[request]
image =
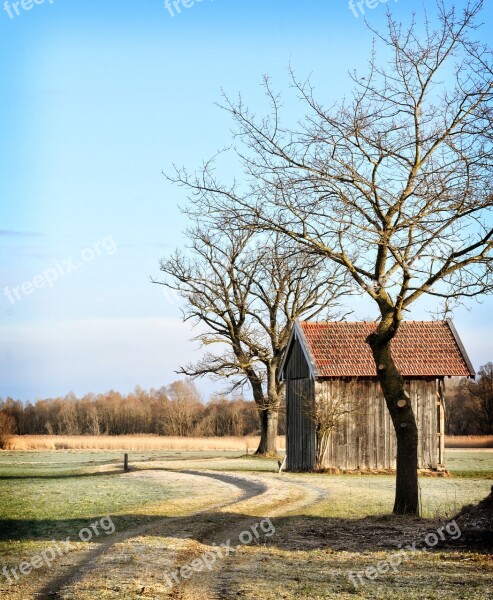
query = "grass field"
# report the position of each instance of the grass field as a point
(173, 506)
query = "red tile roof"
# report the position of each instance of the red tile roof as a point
(420, 349)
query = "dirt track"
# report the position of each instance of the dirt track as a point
(249, 499)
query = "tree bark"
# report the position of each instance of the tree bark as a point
(269, 414)
(269, 418)
(403, 419)
(268, 411)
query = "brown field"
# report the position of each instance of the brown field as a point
(134, 442)
(469, 441)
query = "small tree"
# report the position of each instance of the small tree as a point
(332, 406)
(457, 399)
(184, 409)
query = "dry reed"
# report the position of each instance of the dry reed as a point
(198, 444)
(135, 443)
(469, 441)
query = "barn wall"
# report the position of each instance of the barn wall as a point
(300, 429)
(365, 439)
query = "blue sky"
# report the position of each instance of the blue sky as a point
(97, 99)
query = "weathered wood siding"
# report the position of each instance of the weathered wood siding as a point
(366, 439)
(300, 430)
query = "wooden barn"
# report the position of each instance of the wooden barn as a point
(331, 362)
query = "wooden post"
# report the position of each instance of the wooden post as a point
(125, 462)
(441, 426)
(282, 463)
(442, 434)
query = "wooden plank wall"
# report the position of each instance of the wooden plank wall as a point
(366, 439)
(300, 429)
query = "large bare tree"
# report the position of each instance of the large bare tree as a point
(394, 185)
(245, 292)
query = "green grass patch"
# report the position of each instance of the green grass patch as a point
(476, 464)
(49, 495)
(52, 495)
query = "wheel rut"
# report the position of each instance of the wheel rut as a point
(275, 497)
(220, 582)
(55, 588)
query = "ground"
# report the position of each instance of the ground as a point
(218, 525)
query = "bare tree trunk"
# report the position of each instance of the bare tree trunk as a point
(269, 414)
(401, 412)
(269, 418)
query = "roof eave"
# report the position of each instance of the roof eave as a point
(458, 341)
(280, 373)
(312, 365)
(297, 333)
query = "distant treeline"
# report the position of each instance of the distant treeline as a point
(178, 410)
(175, 410)
(469, 404)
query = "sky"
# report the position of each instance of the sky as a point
(97, 100)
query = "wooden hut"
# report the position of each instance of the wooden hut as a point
(327, 361)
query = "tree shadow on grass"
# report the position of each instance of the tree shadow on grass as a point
(65, 475)
(291, 533)
(305, 533)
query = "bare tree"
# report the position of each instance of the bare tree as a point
(175, 409)
(7, 428)
(247, 292)
(457, 399)
(481, 394)
(183, 410)
(394, 185)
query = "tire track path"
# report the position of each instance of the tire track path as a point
(220, 582)
(56, 587)
(274, 496)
